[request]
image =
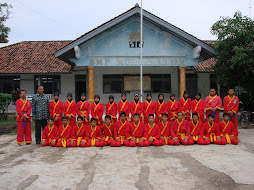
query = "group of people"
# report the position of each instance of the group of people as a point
(138, 124)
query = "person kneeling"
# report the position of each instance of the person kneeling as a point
(152, 132)
(93, 134)
(195, 127)
(108, 130)
(78, 133)
(64, 134)
(49, 134)
(165, 128)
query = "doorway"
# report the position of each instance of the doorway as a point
(80, 86)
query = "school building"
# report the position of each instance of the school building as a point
(106, 60)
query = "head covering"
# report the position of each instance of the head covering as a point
(172, 94)
(56, 93)
(160, 95)
(97, 96)
(185, 92)
(69, 94)
(198, 93)
(149, 94)
(82, 94)
(111, 96)
(136, 94)
(123, 93)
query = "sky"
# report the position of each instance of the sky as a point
(46, 20)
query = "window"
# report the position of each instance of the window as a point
(161, 83)
(9, 83)
(50, 83)
(113, 83)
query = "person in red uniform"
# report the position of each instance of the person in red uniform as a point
(198, 106)
(56, 110)
(136, 107)
(83, 108)
(97, 110)
(78, 133)
(121, 132)
(228, 131)
(180, 130)
(64, 134)
(231, 106)
(93, 134)
(195, 127)
(49, 134)
(69, 110)
(165, 129)
(173, 108)
(136, 131)
(210, 131)
(151, 132)
(148, 107)
(108, 131)
(23, 108)
(185, 105)
(213, 105)
(123, 106)
(160, 108)
(111, 109)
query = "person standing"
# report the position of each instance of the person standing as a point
(40, 112)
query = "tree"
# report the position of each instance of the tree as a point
(4, 15)
(235, 47)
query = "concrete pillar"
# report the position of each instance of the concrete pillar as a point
(90, 84)
(182, 79)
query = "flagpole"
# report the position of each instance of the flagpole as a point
(141, 53)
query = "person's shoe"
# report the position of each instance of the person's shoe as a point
(38, 142)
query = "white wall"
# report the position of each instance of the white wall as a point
(203, 84)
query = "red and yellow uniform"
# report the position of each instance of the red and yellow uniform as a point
(136, 107)
(63, 136)
(195, 133)
(165, 130)
(83, 108)
(198, 106)
(124, 106)
(185, 105)
(160, 108)
(151, 132)
(23, 107)
(137, 132)
(148, 108)
(56, 107)
(69, 108)
(108, 132)
(228, 131)
(111, 109)
(121, 133)
(97, 112)
(213, 102)
(49, 135)
(77, 134)
(232, 104)
(173, 109)
(211, 131)
(93, 136)
(179, 130)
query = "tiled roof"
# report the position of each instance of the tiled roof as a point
(33, 57)
(205, 66)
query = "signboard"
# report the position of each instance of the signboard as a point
(132, 83)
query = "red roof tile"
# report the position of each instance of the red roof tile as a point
(33, 57)
(205, 66)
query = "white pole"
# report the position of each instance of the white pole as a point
(141, 53)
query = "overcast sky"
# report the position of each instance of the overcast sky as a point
(38, 20)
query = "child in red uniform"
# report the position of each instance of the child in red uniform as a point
(136, 106)
(93, 134)
(64, 134)
(97, 110)
(23, 108)
(108, 131)
(83, 109)
(151, 132)
(49, 134)
(228, 131)
(121, 132)
(78, 133)
(124, 106)
(136, 131)
(198, 106)
(69, 110)
(111, 109)
(185, 105)
(160, 108)
(56, 110)
(195, 127)
(148, 107)
(210, 131)
(180, 130)
(165, 128)
(173, 108)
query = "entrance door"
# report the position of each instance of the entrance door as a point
(191, 84)
(80, 86)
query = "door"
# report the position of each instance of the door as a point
(80, 86)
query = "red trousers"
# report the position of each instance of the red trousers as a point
(134, 143)
(125, 143)
(200, 140)
(46, 143)
(24, 133)
(154, 143)
(206, 142)
(232, 140)
(235, 122)
(167, 141)
(60, 143)
(109, 142)
(88, 144)
(75, 144)
(179, 141)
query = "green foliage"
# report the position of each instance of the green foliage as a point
(235, 47)
(5, 100)
(247, 101)
(4, 15)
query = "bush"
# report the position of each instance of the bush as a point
(5, 100)
(247, 101)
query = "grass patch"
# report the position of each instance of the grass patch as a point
(7, 121)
